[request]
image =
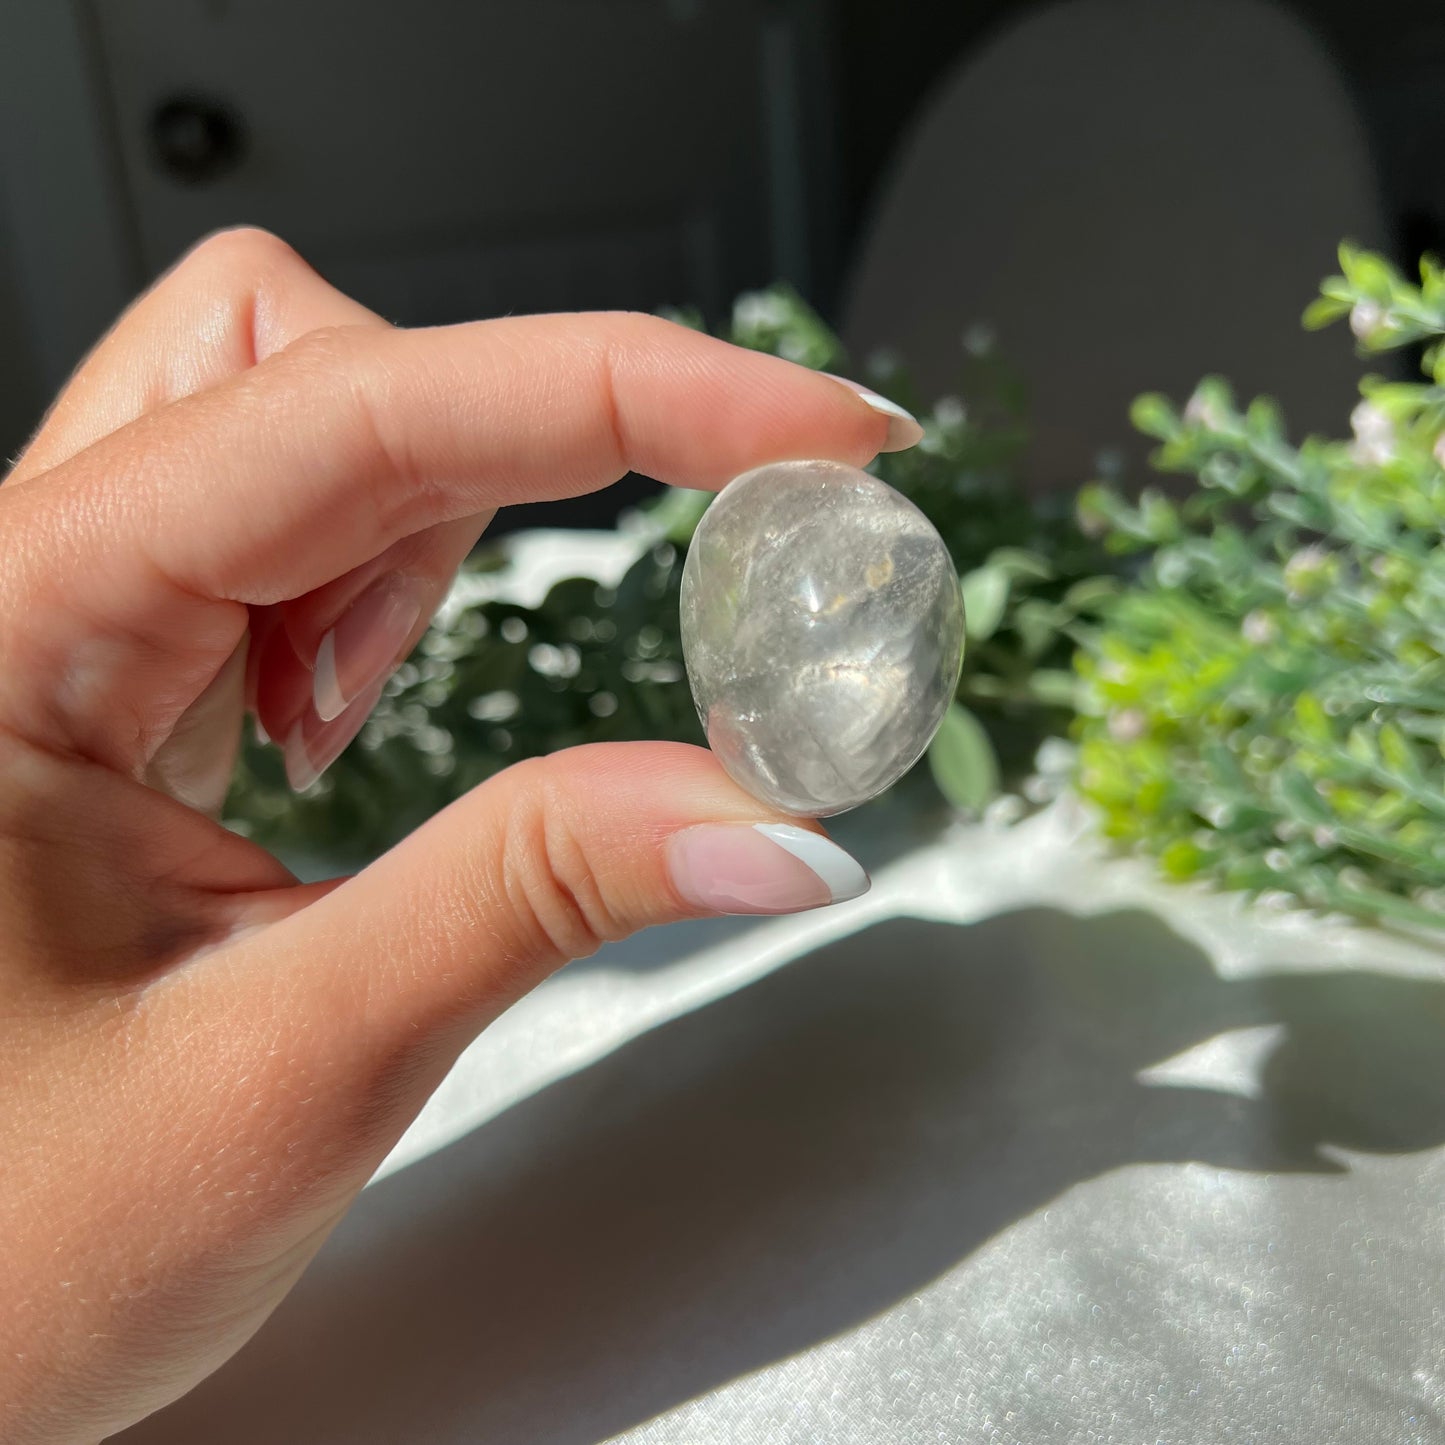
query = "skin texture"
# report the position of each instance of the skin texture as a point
(201, 1060)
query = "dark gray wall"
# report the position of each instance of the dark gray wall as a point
(884, 59)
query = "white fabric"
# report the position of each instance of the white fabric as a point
(995, 1153)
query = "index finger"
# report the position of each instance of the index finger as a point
(315, 461)
(323, 456)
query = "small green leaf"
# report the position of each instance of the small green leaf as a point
(1301, 801)
(1182, 859)
(1369, 273)
(1313, 721)
(1263, 420)
(1158, 517)
(1361, 746)
(985, 596)
(1054, 687)
(1020, 565)
(1324, 311)
(1153, 415)
(962, 760)
(1092, 592)
(1397, 752)
(1102, 512)
(1037, 624)
(677, 512)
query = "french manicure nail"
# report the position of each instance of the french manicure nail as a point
(366, 642)
(314, 743)
(765, 868)
(903, 428)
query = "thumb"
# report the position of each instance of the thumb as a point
(253, 1090)
(539, 865)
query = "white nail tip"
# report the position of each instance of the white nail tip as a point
(888, 408)
(325, 689)
(872, 398)
(300, 771)
(841, 874)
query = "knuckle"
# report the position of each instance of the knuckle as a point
(627, 332)
(362, 380)
(627, 319)
(242, 250)
(548, 877)
(337, 351)
(653, 330)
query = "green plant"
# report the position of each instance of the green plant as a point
(495, 682)
(1264, 707)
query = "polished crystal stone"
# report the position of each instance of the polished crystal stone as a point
(823, 630)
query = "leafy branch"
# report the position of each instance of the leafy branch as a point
(1264, 707)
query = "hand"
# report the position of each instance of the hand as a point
(254, 494)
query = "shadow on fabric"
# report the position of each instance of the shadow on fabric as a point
(790, 1161)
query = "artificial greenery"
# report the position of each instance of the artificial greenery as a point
(495, 682)
(1263, 707)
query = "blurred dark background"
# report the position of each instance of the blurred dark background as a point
(444, 160)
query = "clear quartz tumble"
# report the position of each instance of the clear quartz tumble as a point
(822, 626)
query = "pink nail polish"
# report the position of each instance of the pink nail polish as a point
(314, 743)
(367, 641)
(763, 868)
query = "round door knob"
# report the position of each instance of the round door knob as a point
(196, 140)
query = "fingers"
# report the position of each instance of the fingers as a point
(231, 301)
(280, 481)
(237, 298)
(333, 644)
(548, 860)
(262, 1082)
(404, 962)
(317, 460)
